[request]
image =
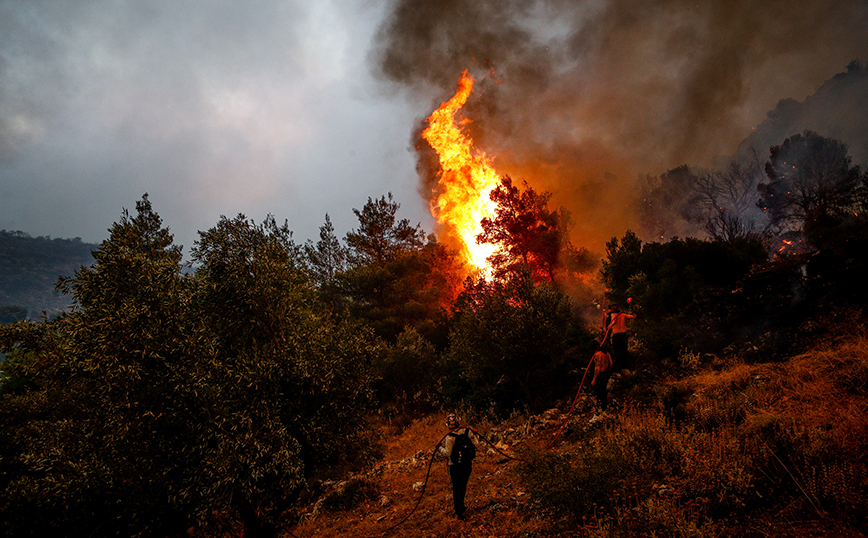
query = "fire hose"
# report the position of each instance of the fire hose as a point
(431, 462)
(551, 443)
(425, 483)
(576, 397)
(436, 446)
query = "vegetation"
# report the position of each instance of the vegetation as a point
(508, 346)
(737, 459)
(811, 179)
(279, 387)
(166, 401)
(530, 237)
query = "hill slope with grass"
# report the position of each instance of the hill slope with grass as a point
(701, 446)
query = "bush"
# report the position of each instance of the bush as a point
(568, 488)
(508, 346)
(686, 476)
(408, 374)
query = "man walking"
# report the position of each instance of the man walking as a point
(460, 449)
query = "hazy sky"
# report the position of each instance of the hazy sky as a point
(305, 107)
(211, 107)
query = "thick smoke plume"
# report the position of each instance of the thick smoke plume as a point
(580, 98)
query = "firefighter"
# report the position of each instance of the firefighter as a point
(617, 328)
(600, 381)
(459, 449)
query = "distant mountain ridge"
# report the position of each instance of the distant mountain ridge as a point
(31, 266)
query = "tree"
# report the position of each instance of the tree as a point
(810, 179)
(623, 261)
(395, 279)
(327, 257)
(668, 207)
(408, 374)
(291, 385)
(167, 401)
(507, 346)
(381, 237)
(680, 288)
(726, 197)
(525, 232)
(99, 441)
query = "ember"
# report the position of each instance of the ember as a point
(790, 243)
(466, 177)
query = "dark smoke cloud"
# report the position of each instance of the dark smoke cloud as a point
(580, 98)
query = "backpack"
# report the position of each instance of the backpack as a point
(463, 451)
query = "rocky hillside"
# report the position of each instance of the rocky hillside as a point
(718, 447)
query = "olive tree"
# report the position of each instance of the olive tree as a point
(166, 401)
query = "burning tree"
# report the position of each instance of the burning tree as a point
(526, 233)
(499, 226)
(811, 181)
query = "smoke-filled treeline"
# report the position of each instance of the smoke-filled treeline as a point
(583, 98)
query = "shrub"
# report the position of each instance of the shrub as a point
(508, 346)
(568, 488)
(805, 467)
(408, 374)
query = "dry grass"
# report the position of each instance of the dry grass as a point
(494, 498)
(712, 465)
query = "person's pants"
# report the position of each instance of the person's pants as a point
(600, 390)
(459, 474)
(619, 351)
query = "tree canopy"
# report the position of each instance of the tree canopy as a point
(165, 401)
(810, 178)
(528, 234)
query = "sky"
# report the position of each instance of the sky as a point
(299, 108)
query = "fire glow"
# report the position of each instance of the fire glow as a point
(466, 177)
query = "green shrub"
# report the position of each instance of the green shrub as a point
(567, 488)
(408, 374)
(508, 346)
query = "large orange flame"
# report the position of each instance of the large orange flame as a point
(466, 177)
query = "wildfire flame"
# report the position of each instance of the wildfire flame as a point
(466, 176)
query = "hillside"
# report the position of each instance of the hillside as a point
(30, 267)
(721, 448)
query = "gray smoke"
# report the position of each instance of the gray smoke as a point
(580, 98)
